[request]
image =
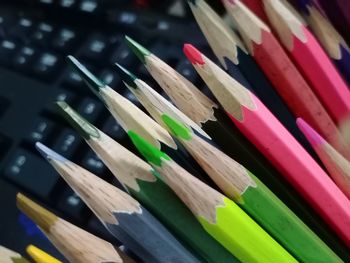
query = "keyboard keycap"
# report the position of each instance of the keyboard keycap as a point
(90, 109)
(42, 34)
(47, 65)
(5, 144)
(72, 206)
(32, 173)
(65, 40)
(60, 95)
(113, 129)
(123, 56)
(110, 78)
(95, 47)
(24, 58)
(22, 30)
(67, 143)
(7, 50)
(93, 163)
(41, 131)
(89, 6)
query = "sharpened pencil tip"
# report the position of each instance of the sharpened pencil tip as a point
(126, 76)
(193, 2)
(193, 55)
(151, 153)
(49, 154)
(40, 256)
(177, 128)
(138, 50)
(81, 125)
(39, 215)
(312, 136)
(90, 79)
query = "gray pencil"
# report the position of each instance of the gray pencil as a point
(122, 215)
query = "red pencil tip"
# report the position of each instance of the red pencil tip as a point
(313, 137)
(193, 55)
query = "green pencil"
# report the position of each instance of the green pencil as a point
(219, 216)
(143, 183)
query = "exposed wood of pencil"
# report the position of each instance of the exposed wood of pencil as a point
(254, 197)
(8, 256)
(233, 56)
(311, 60)
(77, 245)
(337, 166)
(129, 116)
(273, 140)
(144, 183)
(333, 43)
(222, 218)
(122, 215)
(281, 71)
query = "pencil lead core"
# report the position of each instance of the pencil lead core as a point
(193, 55)
(49, 154)
(151, 153)
(313, 137)
(42, 217)
(90, 79)
(126, 76)
(139, 50)
(81, 125)
(177, 128)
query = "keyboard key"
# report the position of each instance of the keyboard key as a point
(72, 206)
(67, 3)
(42, 33)
(113, 129)
(95, 47)
(90, 109)
(5, 144)
(22, 29)
(67, 143)
(24, 58)
(46, 65)
(186, 69)
(110, 78)
(60, 95)
(32, 173)
(89, 6)
(41, 131)
(93, 163)
(7, 50)
(65, 40)
(123, 56)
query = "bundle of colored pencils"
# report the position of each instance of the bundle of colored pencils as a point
(261, 176)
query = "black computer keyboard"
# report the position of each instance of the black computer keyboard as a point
(35, 38)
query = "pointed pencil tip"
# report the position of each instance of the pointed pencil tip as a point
(151, 153)
(39, 215)
(49, 154)
(193, 55)
(138, 50)
(312, 136)
(81, 125)
(126, 76)
(90, 79)
(40, 256)
(177, 128)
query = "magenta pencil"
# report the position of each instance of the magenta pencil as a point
(262, 128)
(311, 59)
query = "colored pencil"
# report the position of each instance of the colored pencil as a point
(142, 182)
(338, 13)
(337, 166)
(40, 256)
(219, 216)
(8, 256)
(234, 57)
(287, 80)
(311, 59)
(121, 214)
(273, 140)
(131, 118)
(230, 140)
(77, 245)
(333, 43)
(241, 186)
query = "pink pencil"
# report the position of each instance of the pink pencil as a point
(311, 59)
(337, 166)
(262, 128)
